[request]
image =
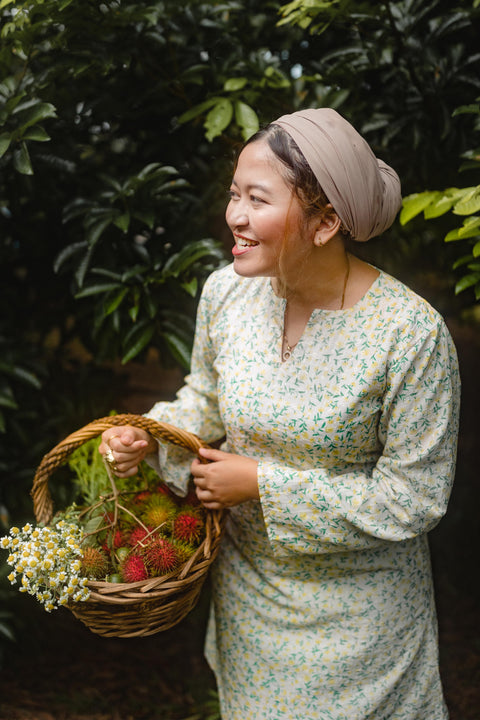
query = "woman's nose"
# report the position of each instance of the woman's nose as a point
(237, 213)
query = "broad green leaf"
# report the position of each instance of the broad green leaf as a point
(139, 345)
(188, 255)
(114, 303)
(461, 234)
(5, 140)
(123, 222)
(415, 204)
(198, 110)
(36, 133)
(246, 118)
(438, 207)
(476, 250)
(8, 402)
(180, 349)
(67, 253)
(97, 228)
(233, 84)
(218, 119)
(464, 260)
(21, 160)
(26, 376)
(470, 203)
(96, 289)
(466, 281)
(38, 111)
(190, 286)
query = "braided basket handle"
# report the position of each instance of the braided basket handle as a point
(42, 500)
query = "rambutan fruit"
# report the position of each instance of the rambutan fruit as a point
(157, 511)
(188, 526)
(184, 550)
(139, 535)
(94, 563)
(161, 556)
(134, 569)
(141, 496)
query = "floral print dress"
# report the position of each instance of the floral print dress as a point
(322, 599)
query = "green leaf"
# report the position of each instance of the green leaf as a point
(190, 286)
(26, 376)
(5, 140)
(8, 402)
(246, 118)
(476, 250)
(114, 303)
(37, 111)
(415, 204)
(464, 260)
(21, 160)
(5, 630)
(179, 348)
(188, 255)
(97, 228)
(67, 253)
(469, 229)
(197, 110)
(470, 202)
(218, 119)
(36, 133)
(233, 84)
(139, 345)
(123, 222)
(438, 207)
(466, 281)
(96, 289)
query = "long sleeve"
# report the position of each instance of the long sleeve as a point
(406, 491)
(196, 405)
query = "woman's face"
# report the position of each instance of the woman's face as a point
(263, 214)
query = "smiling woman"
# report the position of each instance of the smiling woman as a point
(337, 390)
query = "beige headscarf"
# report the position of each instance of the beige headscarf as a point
(364, 191)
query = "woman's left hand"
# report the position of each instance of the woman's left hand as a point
(226, 480)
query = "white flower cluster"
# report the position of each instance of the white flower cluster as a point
(49, 562)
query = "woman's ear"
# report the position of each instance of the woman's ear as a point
(327, 227)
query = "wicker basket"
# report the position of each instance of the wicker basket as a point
(148, 606)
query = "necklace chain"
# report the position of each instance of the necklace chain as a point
(287, 352)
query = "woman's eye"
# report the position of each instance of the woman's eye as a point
(255, 199)
(232, 194)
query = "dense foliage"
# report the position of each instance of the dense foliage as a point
(119, 121)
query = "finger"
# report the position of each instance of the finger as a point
(212, 454)
(197, 468)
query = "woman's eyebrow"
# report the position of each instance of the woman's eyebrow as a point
(254, 186)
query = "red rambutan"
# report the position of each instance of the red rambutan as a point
(134, 569)
(160, 556)
(138, 535)
(188, 526)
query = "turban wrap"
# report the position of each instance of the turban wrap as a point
(363, 190)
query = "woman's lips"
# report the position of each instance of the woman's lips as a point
(243, 245)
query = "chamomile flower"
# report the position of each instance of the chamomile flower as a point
(46, 562)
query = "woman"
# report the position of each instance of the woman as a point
(337, 389)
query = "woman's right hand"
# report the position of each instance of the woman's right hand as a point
(124, 447)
